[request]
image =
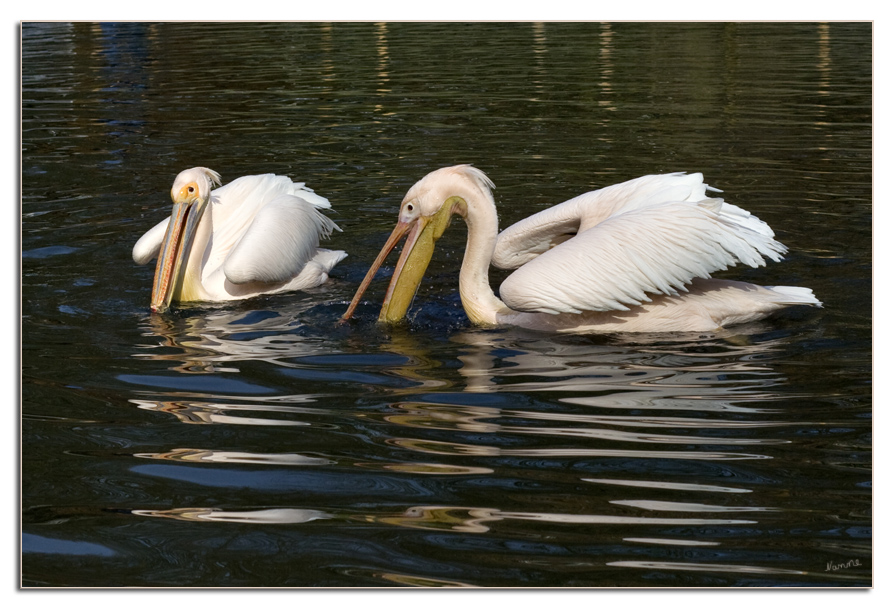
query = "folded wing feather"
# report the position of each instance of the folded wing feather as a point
(657, 249)
(282, 238)
(528, 238)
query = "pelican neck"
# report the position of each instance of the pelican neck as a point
(478, 298)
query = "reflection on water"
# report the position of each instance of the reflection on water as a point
(214, 412)
(297, 452)
(270, 516)
(220, 456)
(671, 439)
(479, 520)
(660, 443)
(202, 343)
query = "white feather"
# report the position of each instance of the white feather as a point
(146, 248)
(652, 235)
(261, 235)
(528, 238)
(281, 240)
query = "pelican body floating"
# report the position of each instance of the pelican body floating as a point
(258, 234)
(633, 257)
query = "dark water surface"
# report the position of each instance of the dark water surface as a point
(257, 444)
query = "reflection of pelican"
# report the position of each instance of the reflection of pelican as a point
(634, 257)
(696, 374)
(262, 516)
(217, 340)
(259, 235)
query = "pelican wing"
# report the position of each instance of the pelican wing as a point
(148, 246)
(237, 207)
(528, 238)
(263, 187)
(281, 239)
(656, 249)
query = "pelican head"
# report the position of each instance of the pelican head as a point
(190, 193)
(425, 214)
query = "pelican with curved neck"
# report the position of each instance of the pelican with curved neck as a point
(642, 267)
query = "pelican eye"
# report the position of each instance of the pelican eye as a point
(409, 207)
(191, 189)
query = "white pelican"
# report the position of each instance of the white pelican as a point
(256, 235)
(633, 257)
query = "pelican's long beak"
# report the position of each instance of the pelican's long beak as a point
(411, 266)
(175, 250)
(409, 270)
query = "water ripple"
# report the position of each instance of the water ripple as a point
(481, 520)
(671, 542)
(456, 448)
(707, 567)
(676, 506)
(679, 486)
(265, 516)
(222, 456)
(204, 413)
